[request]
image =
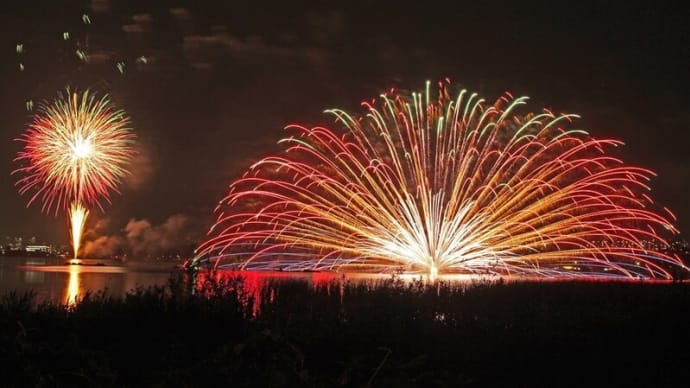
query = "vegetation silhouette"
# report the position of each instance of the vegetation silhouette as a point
(392, 333)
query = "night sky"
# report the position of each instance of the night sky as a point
(222, 79)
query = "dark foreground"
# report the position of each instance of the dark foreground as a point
(524, 334)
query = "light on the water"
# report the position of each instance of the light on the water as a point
(73, 284)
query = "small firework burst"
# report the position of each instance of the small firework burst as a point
(75, 153)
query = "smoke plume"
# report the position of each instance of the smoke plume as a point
(140, 239)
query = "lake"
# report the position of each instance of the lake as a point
(53, 281)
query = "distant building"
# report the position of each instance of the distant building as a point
(15, 244)
(38, 249)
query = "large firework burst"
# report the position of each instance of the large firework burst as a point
(75, 153)
(425, 183)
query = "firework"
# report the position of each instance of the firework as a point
(436, 184)
(75, 153)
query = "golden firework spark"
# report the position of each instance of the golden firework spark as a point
(436, 184)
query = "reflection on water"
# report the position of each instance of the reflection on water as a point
(255, 286)
(53, 281)
(72, 286)
(35, 277)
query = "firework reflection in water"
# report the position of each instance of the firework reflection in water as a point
(254, 289)
(72, 292)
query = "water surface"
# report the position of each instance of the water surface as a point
(54, 281)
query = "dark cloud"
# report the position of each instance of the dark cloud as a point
(100, 6)
(132, 28)
(326, 27)
(141, 23)
(142, 18)
(204, 51)
(99, 57)
(180, 13)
